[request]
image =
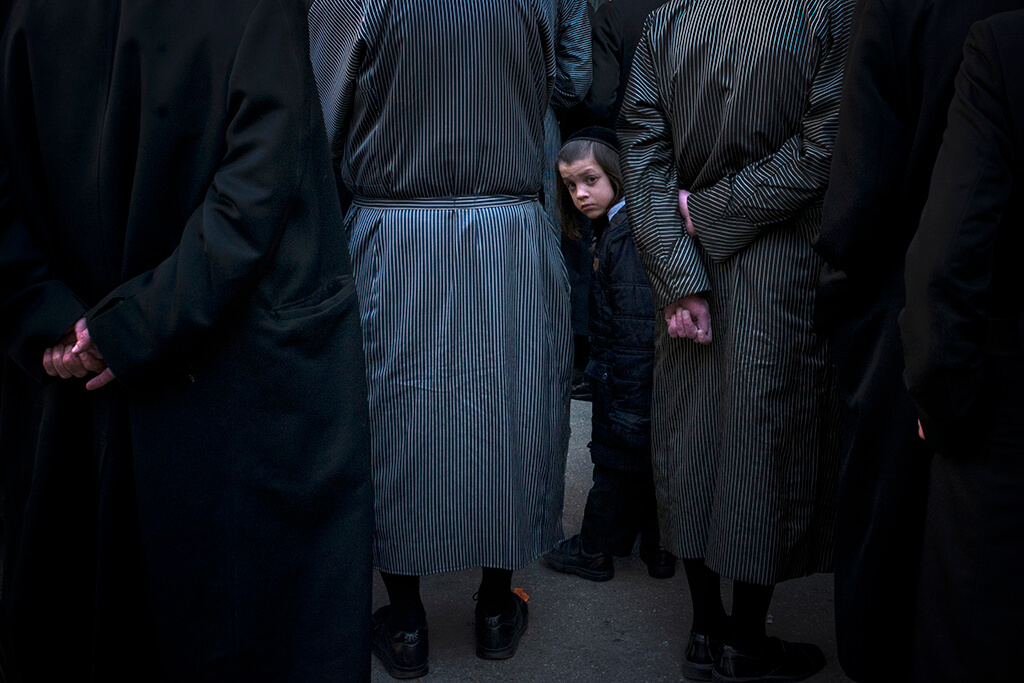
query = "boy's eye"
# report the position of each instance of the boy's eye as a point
(590, 179)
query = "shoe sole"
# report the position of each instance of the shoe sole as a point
(588, 574)
(663, 574)
(399, 672)
(718, 678)
(505, 652)
(696, 672)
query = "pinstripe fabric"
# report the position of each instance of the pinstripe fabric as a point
(573, 72)
(738, 102)
(463, 293)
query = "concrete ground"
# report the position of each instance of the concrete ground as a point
(632, 628)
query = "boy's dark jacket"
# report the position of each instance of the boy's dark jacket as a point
(621, 367)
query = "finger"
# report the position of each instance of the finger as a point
(690, 230)
(84, 340)
(57, 357)
(920, 429)
(73, 363)
(91, 362)
(673, 329)
(100, 380)
(48, 362)
(703, 316)
(689, 329)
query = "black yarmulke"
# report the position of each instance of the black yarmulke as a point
(597, 134)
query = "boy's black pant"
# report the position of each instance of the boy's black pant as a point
(620, 504)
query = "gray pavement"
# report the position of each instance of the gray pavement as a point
(632, 628)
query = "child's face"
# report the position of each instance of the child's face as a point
(589, 187)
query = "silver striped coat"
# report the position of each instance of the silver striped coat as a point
(436, 115)
(737, 101)
(573, 71)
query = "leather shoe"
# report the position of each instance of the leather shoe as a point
(661, 564)
(403, 654)
(699, 658)
(777, 660)
(497, 636)
(569, 557)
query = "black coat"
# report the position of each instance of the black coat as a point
(621, 364)
(617, 30)
(899, 81)
(962, 333)
(208, 516)
(965, 284)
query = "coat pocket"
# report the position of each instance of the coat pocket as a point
(324, 299)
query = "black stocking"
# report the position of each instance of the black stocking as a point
(495, 596)
(709, 618)
(407, 613)
(750, 603)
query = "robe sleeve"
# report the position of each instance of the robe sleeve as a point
(951, 258)
(228, 242)
(670, 256)
(730, 214)
(572, 54)
(337, 47)
(36, 307)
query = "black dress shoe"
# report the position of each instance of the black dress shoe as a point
(661, 564)
(777, 660)
(582, 391)
(699, 658)
(403, 654)
(497, 636)
(569, 557)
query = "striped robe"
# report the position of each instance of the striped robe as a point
(435, 112)
(573, 70)
(737, 101)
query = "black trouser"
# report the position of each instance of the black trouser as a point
(970, 624)
(620, 504)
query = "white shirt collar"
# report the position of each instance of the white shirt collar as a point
(615, 209)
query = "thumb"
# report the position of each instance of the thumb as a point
(83, 340)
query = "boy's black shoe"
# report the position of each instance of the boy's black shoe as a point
(699, 658)
(497, 636)
(403, 654)
(661, 564)
(569, 557)
(580, 386)
(777, 660)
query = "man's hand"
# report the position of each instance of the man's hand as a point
(920, 429)
(684, 210)
(689, 318)
(60, 361)
(75, 355)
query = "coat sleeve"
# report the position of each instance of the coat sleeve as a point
(730, 214)
(572, 54)
(36, 307)
(230, 239)
(337, 47)
(670, 256)
(950, 260)
(607, 61)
